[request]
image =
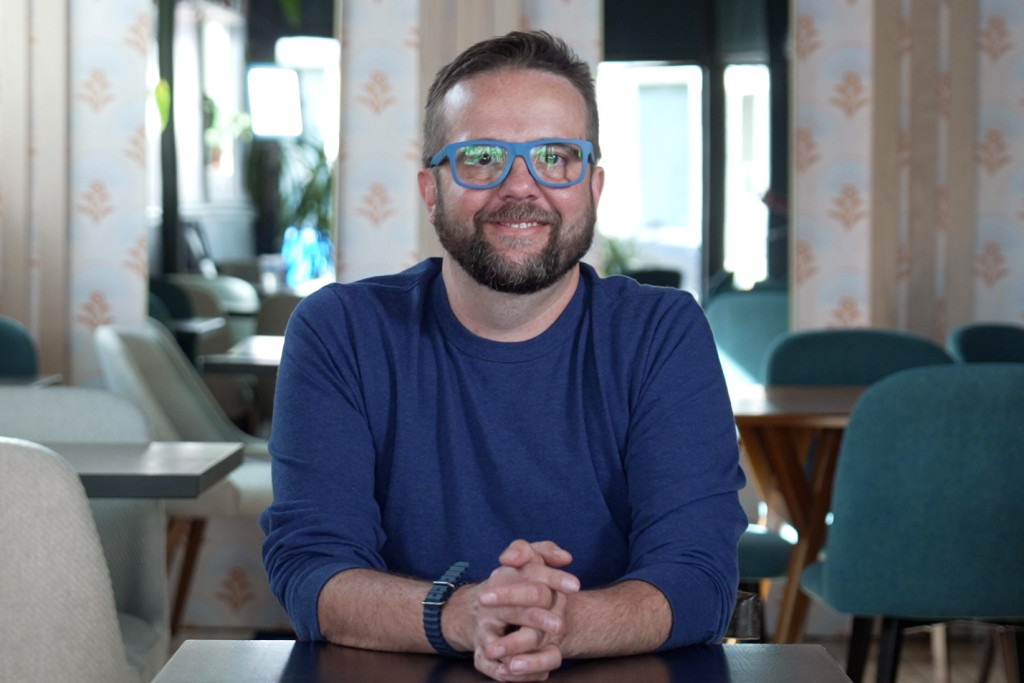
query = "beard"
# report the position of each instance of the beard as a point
(566, 246)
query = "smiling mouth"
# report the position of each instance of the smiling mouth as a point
(523, 226)
(523, 217)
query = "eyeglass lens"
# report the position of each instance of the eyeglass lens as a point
(556, 163)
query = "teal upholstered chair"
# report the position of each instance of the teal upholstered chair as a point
(763, 554)
(744, 324)
(987, 343)
(848, 356)
(927, 485)
(18, 357)
(661, 277)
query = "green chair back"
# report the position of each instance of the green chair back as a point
(18, 356)
(745, 323)
(927, 497)
(662, 277)
(987, 343)
(847, 357)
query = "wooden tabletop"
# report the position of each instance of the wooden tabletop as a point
(817, 406)
(161, 469)
(258, 354)
(278, 661)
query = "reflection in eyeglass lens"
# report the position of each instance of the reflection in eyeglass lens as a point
(553, 162)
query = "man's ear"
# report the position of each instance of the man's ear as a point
(428, 190)
(596, 183)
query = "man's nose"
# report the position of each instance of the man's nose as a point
(519, 182)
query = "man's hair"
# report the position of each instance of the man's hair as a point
(518, 50)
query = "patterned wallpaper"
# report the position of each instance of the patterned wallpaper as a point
(379, 153)
(831, 47)
(998, 259)
(105, 265)
(107, 188)
(834, 73)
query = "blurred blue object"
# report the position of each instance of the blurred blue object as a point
(306, 253)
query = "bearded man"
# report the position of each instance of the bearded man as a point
(498, 453)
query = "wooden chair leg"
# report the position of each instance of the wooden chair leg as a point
(940, 653)
(177, 532)
(988, 654)
(860, 642)
(1012, 640)
(889, 646)
(197, 526)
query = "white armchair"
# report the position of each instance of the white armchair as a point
(132, 532)
(58, 620)
(146, 366)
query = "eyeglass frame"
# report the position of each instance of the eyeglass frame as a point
(516, 150)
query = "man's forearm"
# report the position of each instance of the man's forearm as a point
(627, 618)
(373, 610)
(379, 611)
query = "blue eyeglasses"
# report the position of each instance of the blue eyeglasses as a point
(481, 164)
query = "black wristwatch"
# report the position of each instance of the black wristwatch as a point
(432, 604)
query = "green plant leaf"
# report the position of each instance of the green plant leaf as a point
(292, 11)
(162, 96)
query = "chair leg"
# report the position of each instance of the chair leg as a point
(197, 526)
(988, 653)
(860, 643)
(1012, 640)
(940, 653)
(889, 646)
(177, 533)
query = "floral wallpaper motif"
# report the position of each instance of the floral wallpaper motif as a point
(848, 208)
(993, 152)
(850, 94)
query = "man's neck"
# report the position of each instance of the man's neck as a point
(503, 317)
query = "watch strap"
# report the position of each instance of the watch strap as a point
(437, 596)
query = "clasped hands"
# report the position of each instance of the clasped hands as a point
(520, 612)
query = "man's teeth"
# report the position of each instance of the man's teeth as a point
(520, 226)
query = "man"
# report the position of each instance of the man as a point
(570, 437)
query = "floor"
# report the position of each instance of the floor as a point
(965, 651)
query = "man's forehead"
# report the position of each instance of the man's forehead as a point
(494, 83)
(494, 93)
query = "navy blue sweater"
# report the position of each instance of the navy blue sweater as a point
(403, 442)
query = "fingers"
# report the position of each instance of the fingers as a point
(520, 553)
(541, 630)
(534, 666)
(528, 586)
(520, 617)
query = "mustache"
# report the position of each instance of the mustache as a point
(518, 212)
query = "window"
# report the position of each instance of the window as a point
(747, 172)
(651, 145)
